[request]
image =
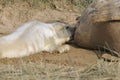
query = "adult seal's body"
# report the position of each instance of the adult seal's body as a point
(99, 26)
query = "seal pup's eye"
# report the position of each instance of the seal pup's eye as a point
(67, 27)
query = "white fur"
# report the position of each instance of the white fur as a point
(34, 37)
